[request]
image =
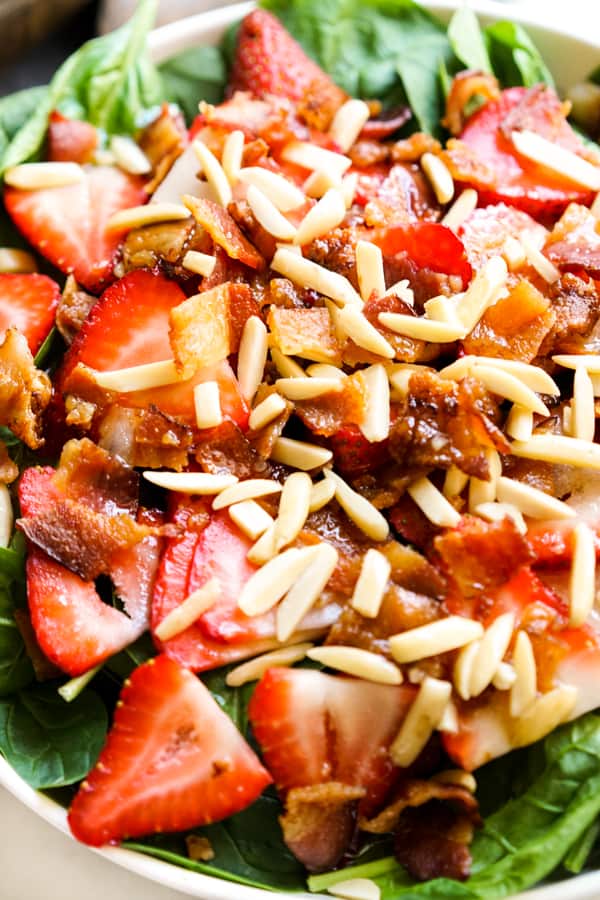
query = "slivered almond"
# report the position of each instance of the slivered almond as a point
(589, 361)
(6, 516)
(300, 454)
(307, 388)
(200, 263)
(502, 383)
(265, 588)
(514, 254)
(310, 156)
(13, 261)
(214, 173)
(443, 309)
(349, 185)
(556, 448)
(440, 636)
(532, 502)
(422, 329)
(41, 175)
(461, 209)
(433, 503)
(246, 490)
(481, 491)
(311, 275)
(358, 508)
(582, 580)
(372, 582)
(463, 669)
(267, 215)
(283, 193)
(318, 183)
(201, 483)
(252, 356)
(458, 777)
(482, 292)
(421, 721)
(455, 482)
(306, 590)
(254, 669)
(544, 715)
(505, 677)
(129, 156)
(325, 370)
(150, 214)
(531, 376)
(231, 158)
(375, 425)
(355, 889)
(250, 518)
(321, 494)
(266, 411)
(449, 721)
(438, 176)
(323, 217)
(356, 326)
(536, 258)
(492, 648)
(264, 548)
(137, 378)
(369, 269)
(293, 508)
(519, 424)
(361, 663)
(560, 161)
(524, 690)
(285, 365)
(207, 403)
(348, 123)
(583, 413)
(187, 612)
(495, 512)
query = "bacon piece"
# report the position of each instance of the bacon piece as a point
(412, 148)
(404, 196)
(576, 304)
(478, 555)
(164, 245)
(8, 469)
(432, 842)
(226, 450)
(73, 309)
(407, 350)
(258, 236)
(163, 141)
(325, 415)
(466, 86)
(466, 165)
(442, 423)
(574, 243)
(24, 390)
(224, 231)
(199, 330)
(89, 474)
(412, 523)
(319, 104)
(365, 153)
(415, 792)
(319, 822)
(307, 333)
(145, 438)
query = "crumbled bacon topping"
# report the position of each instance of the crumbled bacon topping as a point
(24, 390)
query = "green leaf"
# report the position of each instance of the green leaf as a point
(109, 81)
(578, 855)
(419, 69)
(194, 75)
(466, 40)
(52, 348)
(51, 743)
(515, 58)
(233, 701)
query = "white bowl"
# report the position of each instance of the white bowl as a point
(570, 58)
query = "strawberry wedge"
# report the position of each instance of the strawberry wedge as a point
(29, 303)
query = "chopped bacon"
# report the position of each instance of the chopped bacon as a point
(319, 822)
(478, 555)
(307, 333)
(90, 474)
(163, 141)
(73, 309)
(258, 236)
(442, 423)
(465, 87)
(383, 124)
(404, 196)
(199, 330)
(336, 251)
(327, 414)
(415, 792)
(145, 438)
(432, 842)
(284, 293)
(24, 390)
(224, 231)
(8, 469)
(365, 153)
(576, 305)
(407, 350)
(574, 243)
(165, 245)
(226, 450)
(412, 148)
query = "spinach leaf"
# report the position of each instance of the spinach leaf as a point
(16, 670)
(233, 701)
(578, 855)
(196, 74)
(515, 58)
(15, 110)
(467, 41)
(109, 81)
(51, 743)
(419, 69)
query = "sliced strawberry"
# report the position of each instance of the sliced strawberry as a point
(70, 140)
(353, 453)
(269, 61)
(29, 303)
(129, 326)
(429, 245)
(67, 225)
(517, 181)
(314, 728)
(173, 760)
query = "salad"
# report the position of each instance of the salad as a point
(299, 480)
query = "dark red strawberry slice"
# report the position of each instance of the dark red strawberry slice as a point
(353, 453)
(129, 326)
(518, 181)
(67, 225)
(70, 140)
(429, 245)
(314, 728)
(269, 61)
(29, 303)
(173, 760)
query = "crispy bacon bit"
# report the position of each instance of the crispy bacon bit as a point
(432, 842)
(466, 86)
(163, 141)
(90, 474)
(226, 450)
(263, 441)
(576, 304)
(336, 252)
(319, 822)
(411, 149)
(407, 350)
(224, 231)
(242, 214)
(365, 153)
(574, 242)
(412, 524)
(515, 326)
(283, 292)
(164, 244)
(8, 469)
(481, 555)
(466, 165)
(326, 414)
(24, 390)
(304, 332)
(199, 848)
(416, 792)
(404, 196)
(199, 330)
(145, 438)
(73, 309)
(44, 669)
(442, 423)
(319, 104)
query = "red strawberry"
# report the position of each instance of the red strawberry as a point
(29, 303)
(67, 225)
(518, 181)
(172, 760)
(429, 245)
(353, 453)
(129, 326)
(314, 728)
(70, 140)
(269, 61)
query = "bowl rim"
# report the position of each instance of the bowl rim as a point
(164, 42)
